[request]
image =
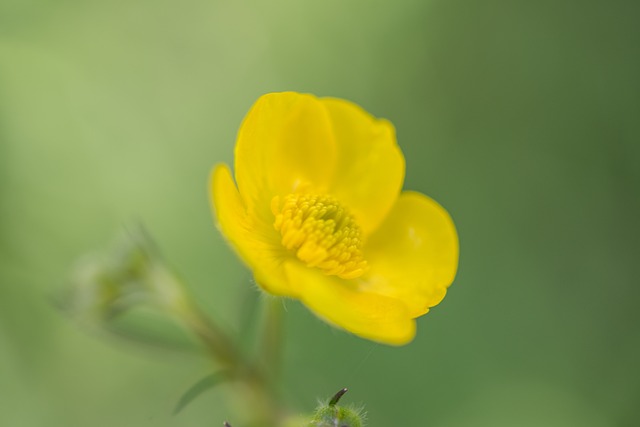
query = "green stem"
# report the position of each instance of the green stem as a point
(218, 344)
(272, 339)
(254, 388)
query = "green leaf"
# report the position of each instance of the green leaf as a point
(198, 388)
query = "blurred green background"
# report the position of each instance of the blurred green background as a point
(521, 118)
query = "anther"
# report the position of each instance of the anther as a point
(321, 233)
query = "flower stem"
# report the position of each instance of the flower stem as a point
(253, 384)
(217, 343)
(272, 338)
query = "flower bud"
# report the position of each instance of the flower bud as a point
(131, 274)
(332, 415)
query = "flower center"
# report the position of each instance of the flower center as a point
(321, 232)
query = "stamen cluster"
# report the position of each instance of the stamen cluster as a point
(321, 232)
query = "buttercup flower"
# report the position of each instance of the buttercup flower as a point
(318, 215)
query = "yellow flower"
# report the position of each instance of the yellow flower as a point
(318, 215)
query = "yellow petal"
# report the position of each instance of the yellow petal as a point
(252, 239)
(339, 302)
(413, 256)
(370, 166)
(285, 143)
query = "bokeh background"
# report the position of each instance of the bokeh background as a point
(521, 118)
